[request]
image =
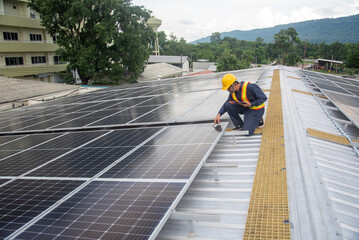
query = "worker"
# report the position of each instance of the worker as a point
(244, 98)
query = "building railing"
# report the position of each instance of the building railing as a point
(50, 41)
(32, 65)
(31, 15)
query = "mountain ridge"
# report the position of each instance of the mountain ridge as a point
(327, 30)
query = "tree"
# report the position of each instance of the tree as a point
(107, 38)
(260, 54)
(353, 60)
(285, 40)
(216, 37)
(228, 62)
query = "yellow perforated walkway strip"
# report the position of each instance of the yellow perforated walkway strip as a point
(308, 93)
(268, 213)
(329, 137)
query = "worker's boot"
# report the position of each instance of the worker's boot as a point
(261, 123)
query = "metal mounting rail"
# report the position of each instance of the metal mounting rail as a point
(352, 143)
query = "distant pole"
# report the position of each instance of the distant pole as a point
(305, 48)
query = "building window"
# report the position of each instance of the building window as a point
(35, 37)
(11, 61)
(32, 15)
(57, 60)
(11, 36)
(54, 38)
(38, 59)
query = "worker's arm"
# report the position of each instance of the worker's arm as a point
(259, 95)
(222, 111)
(217, 119)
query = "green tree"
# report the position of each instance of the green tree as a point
(228, 62)
(260, 54)
(216, 37)
(284, 41)
(162, 39)
(107, 38)
(353, 60)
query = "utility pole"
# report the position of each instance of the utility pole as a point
(305, 48)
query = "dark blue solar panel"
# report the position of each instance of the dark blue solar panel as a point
(22, 200)
(27, 141)
(108, 210)
(8, 139)
(71, 140)
(165, 113)
(160, 162)
(83, 162)
(4, 154)
(174, 154)
(86, 119)
(124, 116)
(25, 161)
(186, 134)
(125, 137)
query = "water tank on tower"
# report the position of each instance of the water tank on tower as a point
(155, 23)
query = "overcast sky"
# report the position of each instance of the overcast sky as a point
(194, 19)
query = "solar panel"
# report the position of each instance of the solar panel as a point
(83, 162)
(8, 139)
(124, 116)
(108, 210)
(124, 138)
(85, 119)
(70, 140)
(4, 154)
(25, 141)
(160, 162)
(3, 181)
(167, 113)
(23, 200)
(27, 160)
(348, 105)
(174, 154)
(103, 184)
(208, 109)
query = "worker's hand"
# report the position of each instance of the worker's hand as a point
(246, 104)
(217, 120)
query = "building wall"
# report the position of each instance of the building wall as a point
(16, 17)
(185, 66)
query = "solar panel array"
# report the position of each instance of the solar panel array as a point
(342, 92)
(105, 165)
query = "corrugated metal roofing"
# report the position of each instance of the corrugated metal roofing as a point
(321, 175)
(167, 59)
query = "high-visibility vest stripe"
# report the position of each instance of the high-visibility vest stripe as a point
(244, 92)
(234, 97)
(244, 97)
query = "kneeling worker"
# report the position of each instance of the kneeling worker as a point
(244, 98)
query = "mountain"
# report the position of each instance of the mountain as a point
(328, 30)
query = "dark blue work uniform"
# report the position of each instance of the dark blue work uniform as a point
(256, 97)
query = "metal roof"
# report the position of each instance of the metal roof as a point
(167, 59)
(323, 201)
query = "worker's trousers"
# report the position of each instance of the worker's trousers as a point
(251, 117)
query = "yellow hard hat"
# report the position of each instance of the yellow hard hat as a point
(228, 80)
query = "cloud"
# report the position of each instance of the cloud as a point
(304, 14)
(265, 17)
(355, 5)
(186, 22)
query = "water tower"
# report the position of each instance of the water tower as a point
(155, 23)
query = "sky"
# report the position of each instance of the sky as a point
(195, 19)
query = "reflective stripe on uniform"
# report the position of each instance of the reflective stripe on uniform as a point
(244, 97)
